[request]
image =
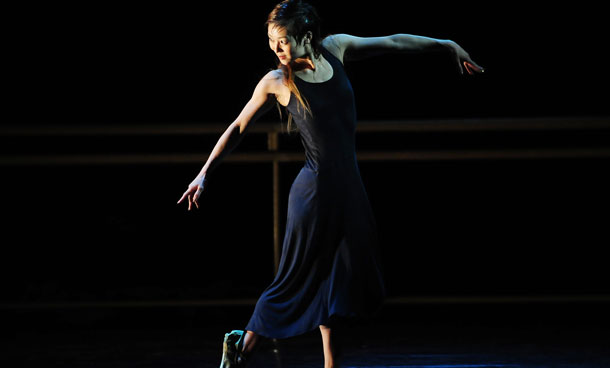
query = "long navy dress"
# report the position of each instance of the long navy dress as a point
(329, 267)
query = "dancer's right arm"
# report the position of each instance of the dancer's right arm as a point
(261, 101)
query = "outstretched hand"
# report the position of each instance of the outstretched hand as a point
(194, 191)
(463, 59)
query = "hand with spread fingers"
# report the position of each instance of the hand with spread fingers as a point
(194, 191)
(463, 59)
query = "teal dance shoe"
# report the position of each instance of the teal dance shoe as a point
(232, 356)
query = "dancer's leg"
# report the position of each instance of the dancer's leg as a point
(250, 341)
(330, 348)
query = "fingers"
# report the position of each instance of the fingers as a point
(185, 195)
(472, 67)
(477, 67)
(196, 197)
(467, 68)
(182, 198)
(192, 195)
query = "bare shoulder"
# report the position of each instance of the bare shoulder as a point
(335, 44)
(273, 75)
(273, 84)
(272, 81)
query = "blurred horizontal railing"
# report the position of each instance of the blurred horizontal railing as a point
(447, 125)
(262, 157)
(275, 156)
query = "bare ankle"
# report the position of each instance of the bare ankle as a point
(250, 341)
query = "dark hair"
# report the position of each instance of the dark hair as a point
(298, 18)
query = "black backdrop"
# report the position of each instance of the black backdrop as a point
(158, 63)
(115, 232)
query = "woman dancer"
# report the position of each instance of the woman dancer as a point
(329, 271)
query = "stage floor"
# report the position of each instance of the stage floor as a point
(461, 337)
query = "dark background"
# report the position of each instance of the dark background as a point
(105, 233)
(114, 63)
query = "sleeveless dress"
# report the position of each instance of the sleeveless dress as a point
(329, 268)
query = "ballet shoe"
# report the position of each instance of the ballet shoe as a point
(232, 355)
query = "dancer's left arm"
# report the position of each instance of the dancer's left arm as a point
(355, 48)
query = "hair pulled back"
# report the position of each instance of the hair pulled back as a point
(298, 18)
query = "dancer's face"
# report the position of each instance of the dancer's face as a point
(284, 45)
